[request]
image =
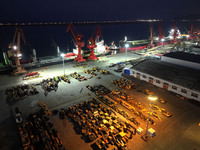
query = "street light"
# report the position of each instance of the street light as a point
(151, 98)
(63, 55)
(126, 45)
(162, 41)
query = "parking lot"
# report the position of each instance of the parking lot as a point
(180, 131)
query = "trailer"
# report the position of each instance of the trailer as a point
(31, 75)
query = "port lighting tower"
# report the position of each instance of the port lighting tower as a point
(16, 50)
(151, 98)
(79, 42)
(92, 42)
(126, 46)
(162, 40)
(63, 56)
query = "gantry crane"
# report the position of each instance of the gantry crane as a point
(92, 42)
(79, 42)
(16, 50)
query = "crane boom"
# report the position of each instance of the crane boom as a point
(16, 50)
(79, 42)
(92, 42)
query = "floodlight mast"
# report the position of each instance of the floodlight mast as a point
(63, 56)
(16, 50)
(151, 98)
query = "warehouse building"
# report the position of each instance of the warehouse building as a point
(181, 80)
(183, 59)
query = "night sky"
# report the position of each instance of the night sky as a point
(63, 10)
(87, 10)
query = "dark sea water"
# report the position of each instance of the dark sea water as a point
(40, 37)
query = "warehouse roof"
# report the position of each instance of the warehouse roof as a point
(184, 56)
(179, 75)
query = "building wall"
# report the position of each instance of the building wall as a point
(185, 92)
(181, 62)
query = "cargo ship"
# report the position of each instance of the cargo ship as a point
(140, 44)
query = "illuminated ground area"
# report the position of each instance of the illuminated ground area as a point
(181, 131)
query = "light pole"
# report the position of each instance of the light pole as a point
(63, 55)
(151, 98)
(162, 41)
(126, 45)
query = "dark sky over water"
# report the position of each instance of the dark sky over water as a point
(87, 10)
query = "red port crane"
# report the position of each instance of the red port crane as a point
(79, 42)
(161, 34)
(92, 42)
(16, 50)
(193, 32)
(151, 36)
(175, 34)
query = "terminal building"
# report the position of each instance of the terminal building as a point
(176, 72)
